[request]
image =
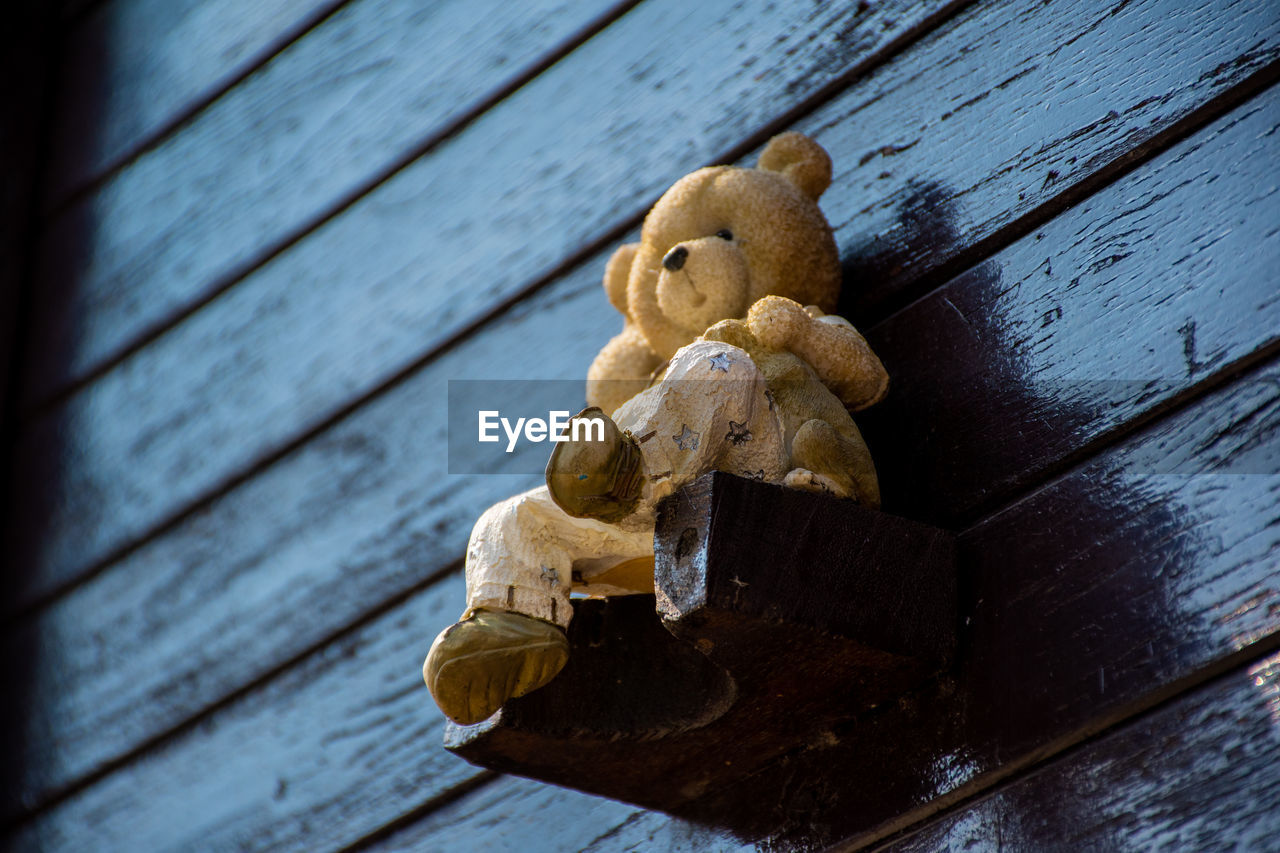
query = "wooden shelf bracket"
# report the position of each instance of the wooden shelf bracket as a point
(778, 614)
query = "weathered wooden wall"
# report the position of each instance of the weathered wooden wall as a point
(271, 232)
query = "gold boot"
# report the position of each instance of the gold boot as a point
(476, 665)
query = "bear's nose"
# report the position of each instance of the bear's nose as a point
(675, 258)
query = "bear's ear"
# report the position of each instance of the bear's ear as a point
(616, 274)
(800, 159)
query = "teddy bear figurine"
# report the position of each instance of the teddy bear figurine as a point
(727, 360)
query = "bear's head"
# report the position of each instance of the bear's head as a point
(721, 238)
(714, 244)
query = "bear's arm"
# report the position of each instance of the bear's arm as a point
(835, 350)
(621, 370)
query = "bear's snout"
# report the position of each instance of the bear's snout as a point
(701, 282)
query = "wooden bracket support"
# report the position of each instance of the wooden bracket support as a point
(778, 615)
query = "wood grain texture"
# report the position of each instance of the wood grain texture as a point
(511, 814)
(318, 757)
(247, 391)
(1199, 774)
(1011, 113)
(644, 831)
(520, 815)
(1149, 288)
(371, 494)
(271, 158)
(358, 515)
(135, 68)
(556, 164)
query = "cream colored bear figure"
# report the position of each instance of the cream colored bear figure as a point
(727, 361)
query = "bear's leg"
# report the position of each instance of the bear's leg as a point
(511, 638)
(827, 461)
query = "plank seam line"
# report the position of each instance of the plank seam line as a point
(240, 272)
(190, 111)
(255, 467)
(231, 697)
(482, 779)
(1043, 760)
(396, 378)
(618, 828)
(1077, 460)
(1130, 161)
(833, 88)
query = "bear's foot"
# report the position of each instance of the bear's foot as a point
(808, 481)
(834, 462)
(476, 665)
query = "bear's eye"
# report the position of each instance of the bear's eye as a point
(724, 234)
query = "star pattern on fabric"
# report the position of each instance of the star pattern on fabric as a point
(719, 361)
(687, 439)
(738, 433)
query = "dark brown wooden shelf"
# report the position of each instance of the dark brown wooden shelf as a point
(779, 614)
